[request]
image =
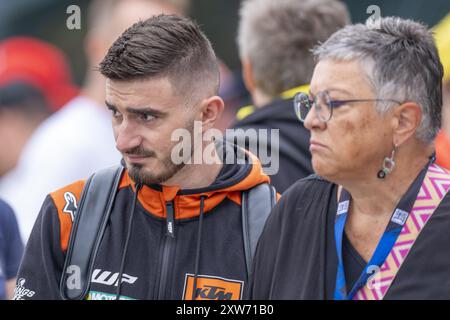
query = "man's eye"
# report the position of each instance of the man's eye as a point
(115, 113)
(147, 117)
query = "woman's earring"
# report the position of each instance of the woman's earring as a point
(388, 166)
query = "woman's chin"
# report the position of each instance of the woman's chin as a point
(324, 169)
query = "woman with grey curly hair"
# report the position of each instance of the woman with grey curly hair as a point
(373, 223)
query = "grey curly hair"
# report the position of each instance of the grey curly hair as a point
(400, 60)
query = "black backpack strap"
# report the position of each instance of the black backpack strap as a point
(257, 203)
(90, 223)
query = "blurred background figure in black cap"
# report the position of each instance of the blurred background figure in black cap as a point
(35, 81)
(22, 109)
(39, 64)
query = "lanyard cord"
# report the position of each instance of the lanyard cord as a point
(125, 249)
(199, 241)
(386, 243)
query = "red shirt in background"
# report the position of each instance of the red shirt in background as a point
(443, 150)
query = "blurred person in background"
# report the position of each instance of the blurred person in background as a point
(232, 95)
(11, 250)
(76, 141)
(39, 64)
(35, 80)
(442, 31)
(275, 39)
(22, 109)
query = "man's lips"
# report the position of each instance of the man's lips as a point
(135, 158)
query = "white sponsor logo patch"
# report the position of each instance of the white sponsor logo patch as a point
(20, 291)
(95, 295)
(71, 205)
(108, 278)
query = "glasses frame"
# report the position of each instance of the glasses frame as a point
(332, 104)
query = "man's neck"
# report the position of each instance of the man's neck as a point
(260, 99)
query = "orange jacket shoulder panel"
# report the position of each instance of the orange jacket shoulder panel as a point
(66, 201)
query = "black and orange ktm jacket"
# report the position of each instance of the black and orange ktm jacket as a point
(157, 266)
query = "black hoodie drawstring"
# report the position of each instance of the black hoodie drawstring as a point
(125, 249)
(199, 241)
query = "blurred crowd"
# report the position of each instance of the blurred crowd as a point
(54, 132)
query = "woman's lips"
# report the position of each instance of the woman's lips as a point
(316, 146)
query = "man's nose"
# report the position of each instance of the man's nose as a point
(127, 137)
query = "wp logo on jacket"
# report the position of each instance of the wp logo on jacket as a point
(108, 278)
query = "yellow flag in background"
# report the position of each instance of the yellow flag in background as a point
(442, 37)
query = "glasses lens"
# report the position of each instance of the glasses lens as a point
(323, 106)
(302, 105)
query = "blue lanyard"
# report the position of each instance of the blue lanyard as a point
(387, 241)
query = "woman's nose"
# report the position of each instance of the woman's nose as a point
(312, 120)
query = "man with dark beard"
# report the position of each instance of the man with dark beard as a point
(176, 225)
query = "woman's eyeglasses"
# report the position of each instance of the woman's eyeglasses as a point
(323, 104)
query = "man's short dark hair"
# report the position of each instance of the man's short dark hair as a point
(164, 45)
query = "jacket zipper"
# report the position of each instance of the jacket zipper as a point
(168, 246)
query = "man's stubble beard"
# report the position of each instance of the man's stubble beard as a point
(139, 174)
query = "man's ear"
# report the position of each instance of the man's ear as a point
(212, 109)
(407, 118)
(247, 75)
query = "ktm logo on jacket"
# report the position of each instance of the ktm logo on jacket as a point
(212, 288)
